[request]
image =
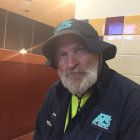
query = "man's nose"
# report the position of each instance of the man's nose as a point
(72, 61)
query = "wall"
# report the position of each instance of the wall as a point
(107, 8)
(123, 31)
(18, 32)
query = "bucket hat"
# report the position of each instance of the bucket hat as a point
(85, 32)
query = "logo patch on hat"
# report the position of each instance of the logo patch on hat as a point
(63, 25)
(103, 121)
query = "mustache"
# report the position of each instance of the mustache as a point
(77, 70)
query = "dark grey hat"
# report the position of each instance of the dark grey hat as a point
(83, 30)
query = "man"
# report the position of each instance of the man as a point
(91, 101)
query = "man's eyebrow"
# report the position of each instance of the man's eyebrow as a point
(81, 44)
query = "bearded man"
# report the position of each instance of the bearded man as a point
(90, 101)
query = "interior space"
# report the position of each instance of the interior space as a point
(26, 78)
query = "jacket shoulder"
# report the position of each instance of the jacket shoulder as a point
(125, 89)
(124, 82)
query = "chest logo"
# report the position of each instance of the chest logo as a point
(102, 120)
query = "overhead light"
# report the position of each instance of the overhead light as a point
(23, 51)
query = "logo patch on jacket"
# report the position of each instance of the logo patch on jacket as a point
(103, 121)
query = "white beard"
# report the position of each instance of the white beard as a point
(79, 80)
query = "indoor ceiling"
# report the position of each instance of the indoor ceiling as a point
(50, 12)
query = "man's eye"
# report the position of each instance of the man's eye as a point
(61, 55)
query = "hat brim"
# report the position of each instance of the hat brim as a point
(92, 43)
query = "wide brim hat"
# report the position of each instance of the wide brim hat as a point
(85, 32)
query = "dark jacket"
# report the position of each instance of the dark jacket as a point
(112, 112)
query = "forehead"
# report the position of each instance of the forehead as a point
(68, 40)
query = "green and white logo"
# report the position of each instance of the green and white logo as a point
(102, 120)
(63, 25)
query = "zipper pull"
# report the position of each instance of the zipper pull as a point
(79, 102)
(99, 136)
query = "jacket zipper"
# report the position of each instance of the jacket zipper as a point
(98, 136)
(79, 102)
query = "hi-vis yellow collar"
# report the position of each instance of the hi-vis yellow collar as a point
(74, 106)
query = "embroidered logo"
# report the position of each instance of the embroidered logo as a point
(63, 25)
(102, 120)
(105, 121)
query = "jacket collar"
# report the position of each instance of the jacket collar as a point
(105, 77)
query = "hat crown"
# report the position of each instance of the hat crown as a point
(83, 30)
(63, 25)
(80, 26)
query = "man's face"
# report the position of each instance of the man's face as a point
(77, 67)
